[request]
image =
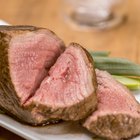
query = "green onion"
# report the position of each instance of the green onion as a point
(117, 66)
(131, 83)
(100, 53)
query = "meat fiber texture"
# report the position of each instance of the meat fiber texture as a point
(41, 81)
(118, 113)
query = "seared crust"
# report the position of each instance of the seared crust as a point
(18, 28)
(115, 126)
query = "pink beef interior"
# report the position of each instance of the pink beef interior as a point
(69, 80)
(30, 57)
(113, 97)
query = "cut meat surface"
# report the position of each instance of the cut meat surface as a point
(30, 57)
(41, 80)
(118, 113)
(68, 92)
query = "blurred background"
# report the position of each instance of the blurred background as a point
(121, 39)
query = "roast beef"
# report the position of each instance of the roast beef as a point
(118, 113)
(69, 91)
(40, 80)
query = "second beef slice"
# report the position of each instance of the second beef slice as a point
(118, 113)
(68, 92)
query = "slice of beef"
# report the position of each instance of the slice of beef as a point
(39, 81)
(68, 92)
(118, 113)
(26, 55)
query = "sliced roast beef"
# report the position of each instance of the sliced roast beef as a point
(118, 113)
(40, 81)
(68, 92)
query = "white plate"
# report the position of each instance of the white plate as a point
(2, 22)
(62, 131)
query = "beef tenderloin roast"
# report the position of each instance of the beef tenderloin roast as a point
(41, 80)
(118, 113)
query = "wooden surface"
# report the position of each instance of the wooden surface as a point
(123, 41)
